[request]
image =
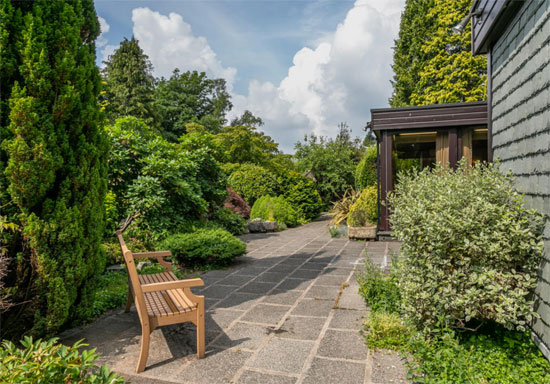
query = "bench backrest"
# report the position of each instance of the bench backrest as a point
(134, 279)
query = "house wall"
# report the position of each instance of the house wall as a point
(520, 63)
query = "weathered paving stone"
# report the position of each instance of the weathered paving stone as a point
(252, 377)
(236, 280)
(312, 307)
(241, 335)
(218, 291)
(283, 355)
(283, 268)
(239, 301)
(322, 293)
(304, 328)
(305, 274)
(282, 297)
(388, 367)
(294, 284)
(333, 281)
(266, 314)
(218, 366)
(252, 271)
(347, 319)
(325, 371)
(271, 277)
(257, 287)
(343, 344)
(217, 319)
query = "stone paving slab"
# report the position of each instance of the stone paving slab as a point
(288, 312)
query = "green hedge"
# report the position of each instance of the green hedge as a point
(364, 210)
(205, 247)
(300, 192)
(275, 209)
(365, 172)
(252, 182)
(470, 249)
(47, 362)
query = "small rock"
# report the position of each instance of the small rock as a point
(257, 225)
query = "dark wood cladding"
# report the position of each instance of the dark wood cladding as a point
(433, 116)
(489, 25)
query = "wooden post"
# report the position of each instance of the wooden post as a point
(453, 148)
(386, 177)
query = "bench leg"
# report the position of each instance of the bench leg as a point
(144, 352)
(200, 329)
(130, 299)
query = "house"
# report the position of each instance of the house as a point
(421, 136)
(515, 36)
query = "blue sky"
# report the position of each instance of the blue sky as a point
(302, 65)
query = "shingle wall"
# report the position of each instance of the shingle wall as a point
(521, 125)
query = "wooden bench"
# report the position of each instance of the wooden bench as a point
(161, 299)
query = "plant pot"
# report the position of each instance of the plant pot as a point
(366, 232)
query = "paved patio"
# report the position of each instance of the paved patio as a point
(288, 312)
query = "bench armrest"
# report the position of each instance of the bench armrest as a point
(151, 255)
(180, 284)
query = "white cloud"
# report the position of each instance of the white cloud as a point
(339, 78)
(169, 42)
(345, 75)
(104, 27)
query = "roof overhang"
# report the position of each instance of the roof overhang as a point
(489, 25)
(437, 116)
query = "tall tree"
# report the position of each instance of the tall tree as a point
(129, 83)
(191, 97)
(55, 161)
(433, 65)
(408, 55)
(244, 144)
(247, 119)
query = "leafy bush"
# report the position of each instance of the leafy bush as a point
(204, 247)
(365, 172)
(237, 204)
(386, 330)
(229, 220)
(165, 182)
(300, 192)
(470, 249)
(111, 292)
(496, 356)
(275, 209)
(379, 289)
(252, 182)
(340, 209)
(45, 362)
(364, 210)
(331, 161)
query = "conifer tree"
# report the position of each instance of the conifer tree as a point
(432, 65)
(129, 83)
(54, 166)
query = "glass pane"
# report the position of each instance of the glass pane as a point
(479, 145)
(413, 150)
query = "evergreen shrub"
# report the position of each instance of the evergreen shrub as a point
(205, 247)
(364, 210)
(275, 209)
(470, 249)
(229, 220)
(365, 172)
(300, 192)
(252, 182)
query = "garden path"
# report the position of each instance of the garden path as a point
(287, 312)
